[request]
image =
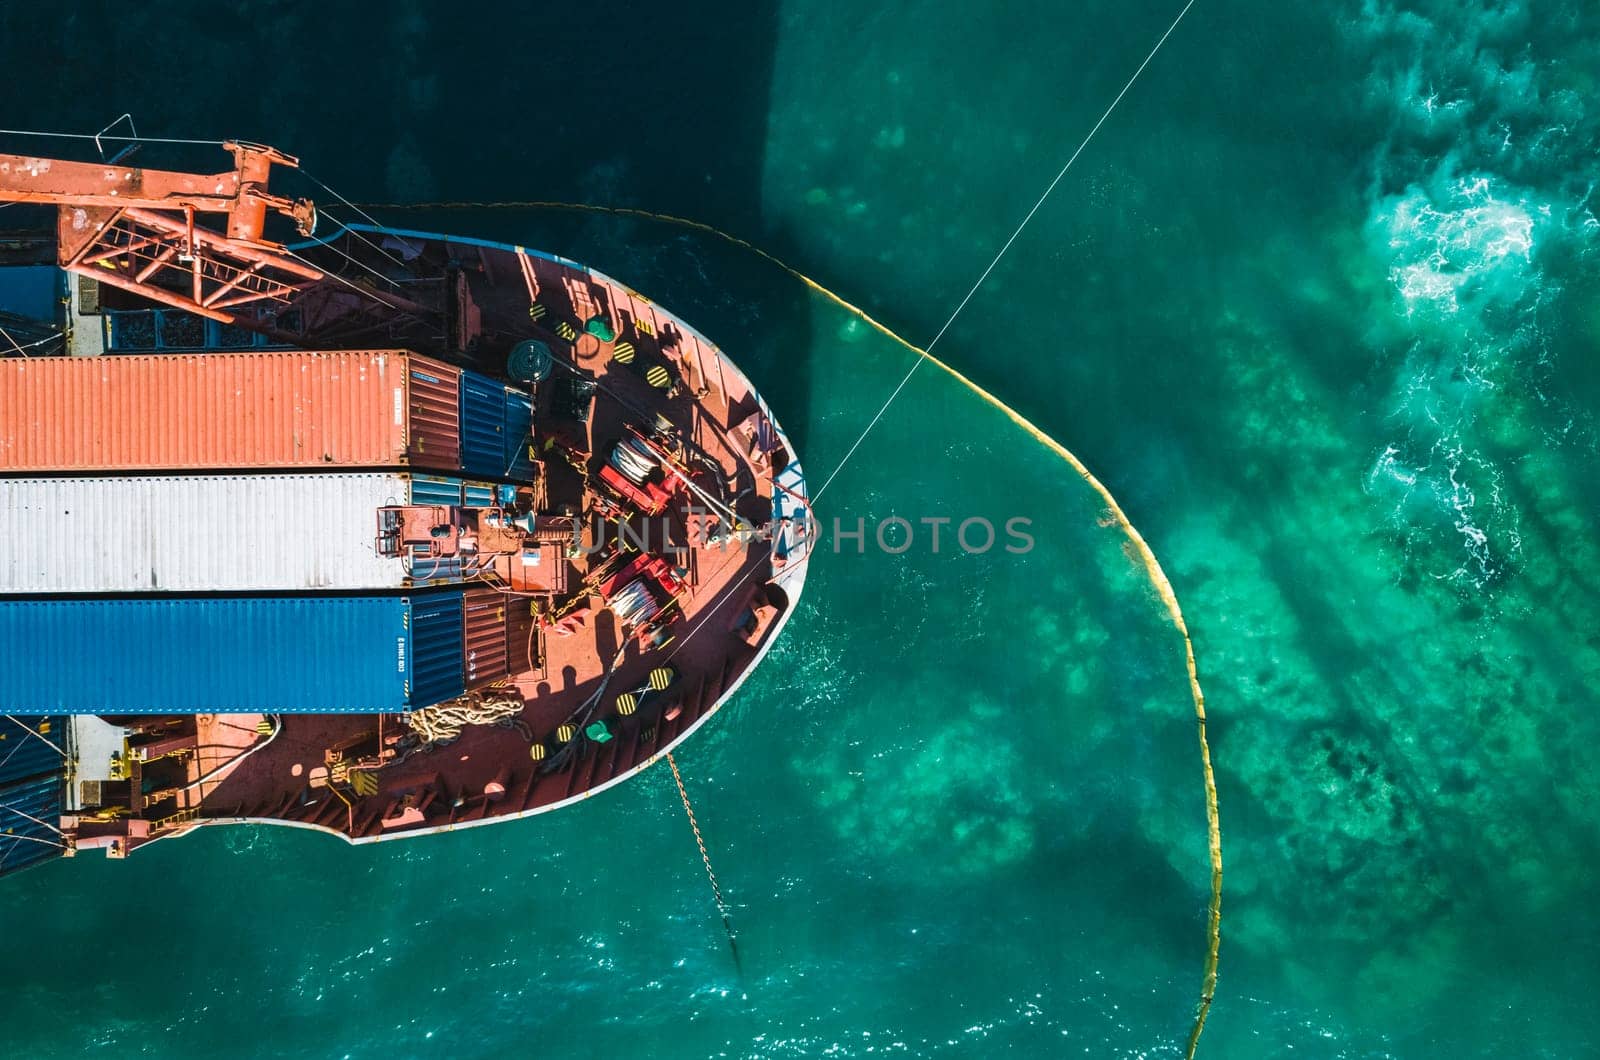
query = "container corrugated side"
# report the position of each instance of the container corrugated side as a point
(201, 411)
(30, 812)
(522, 642)
(433, 418)
(29, 748)
(519, 435)
(486, 659)
(486, 494)
(435, 489)
(207, 533)
(436, 649)
(483, 426)
(294, 654)
(439, 489)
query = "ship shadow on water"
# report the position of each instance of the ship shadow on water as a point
(658, 106)
(765, 324)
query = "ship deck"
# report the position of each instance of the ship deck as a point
(734, 596)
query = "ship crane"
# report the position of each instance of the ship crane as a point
(136, 229)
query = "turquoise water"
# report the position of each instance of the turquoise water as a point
(1317, 304)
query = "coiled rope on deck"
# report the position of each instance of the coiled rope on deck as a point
(445, 721)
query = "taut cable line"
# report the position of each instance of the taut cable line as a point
(1051, 187)
(119, 139)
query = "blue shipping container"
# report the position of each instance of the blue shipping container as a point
(30, 813)
(29, 747)
(496, 428)
(483, 426)
(291, 655)
(519, 434)
(480, 494)
(433, 489)
(32, 774)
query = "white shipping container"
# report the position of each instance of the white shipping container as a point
(202, 533)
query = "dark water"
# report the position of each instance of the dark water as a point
(1318, 304)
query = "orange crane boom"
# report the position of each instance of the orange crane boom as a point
(135, 228)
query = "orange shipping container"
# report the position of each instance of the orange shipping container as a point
(174, 412)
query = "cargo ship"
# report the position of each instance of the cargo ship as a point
(366, 530)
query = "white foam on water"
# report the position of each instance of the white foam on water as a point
(1448, 247)
(1389, 469)
(1485, 182)
(1446, 499)
(1462, 501)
